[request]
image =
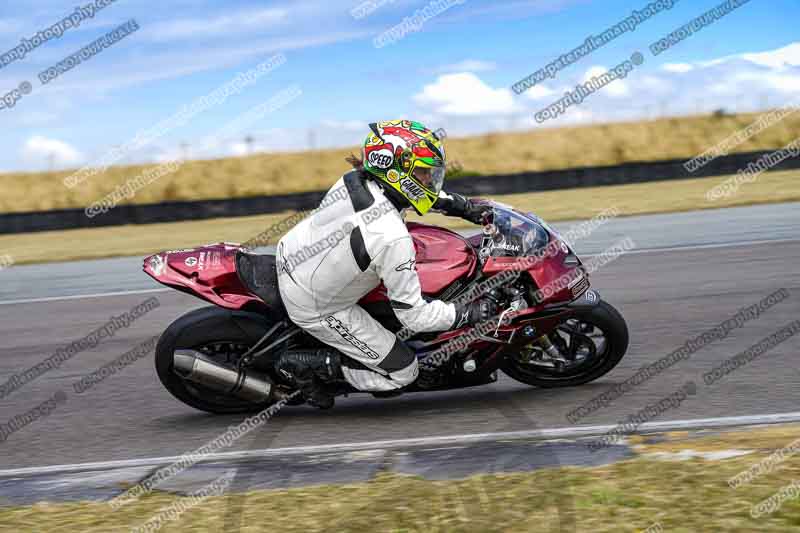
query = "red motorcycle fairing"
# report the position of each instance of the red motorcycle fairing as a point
(443, 257)
(208, 272)
(557, 282)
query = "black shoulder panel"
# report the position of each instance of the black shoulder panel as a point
(357, 189)
(359, 249)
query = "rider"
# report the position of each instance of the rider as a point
(353, 241)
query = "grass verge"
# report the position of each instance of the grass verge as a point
(570, 204)
(506, 153)
(681, 496)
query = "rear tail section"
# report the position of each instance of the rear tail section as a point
(208, 272)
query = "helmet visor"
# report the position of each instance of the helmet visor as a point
(432, 178)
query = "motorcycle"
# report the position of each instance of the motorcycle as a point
(553, 329)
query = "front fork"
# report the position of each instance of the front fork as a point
(538, 330)
(550, 348)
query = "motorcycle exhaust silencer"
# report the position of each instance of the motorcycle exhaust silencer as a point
(247, 385)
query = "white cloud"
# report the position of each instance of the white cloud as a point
(239, 149)
(654, 84)
(269, 140)
(743, 82)
(615, 89)
(349, 125)
(747, 76)
(515, 9)
(37, 118)
(778, 59)
(464, 94)
(678, 68)
(746, 82)
(538, 92)
(171, 65)
(233, 24)
(40, 149)
(577, 115)
(788, 56)
(468, 65)
(785, 83)
(10, 27)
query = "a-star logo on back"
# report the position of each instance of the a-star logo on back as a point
(408, 265)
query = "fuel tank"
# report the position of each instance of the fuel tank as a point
(443, 257)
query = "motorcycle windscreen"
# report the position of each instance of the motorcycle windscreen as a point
(514, 235)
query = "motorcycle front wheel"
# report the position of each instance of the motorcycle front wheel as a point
(589, 344)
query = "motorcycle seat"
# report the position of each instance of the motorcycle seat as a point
(258, 273)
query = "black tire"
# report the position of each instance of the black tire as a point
(605, 317)
(197, 328)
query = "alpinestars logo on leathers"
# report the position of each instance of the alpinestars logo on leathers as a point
(340, 328)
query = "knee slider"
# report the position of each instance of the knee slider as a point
(400, 357)
(407, 375)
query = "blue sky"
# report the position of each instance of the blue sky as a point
(456, 72)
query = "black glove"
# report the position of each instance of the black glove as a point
(474, 312)
(455, 205)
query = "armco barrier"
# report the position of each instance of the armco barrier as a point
(473, 186)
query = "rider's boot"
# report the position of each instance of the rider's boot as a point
(429, 378)
(312, 372)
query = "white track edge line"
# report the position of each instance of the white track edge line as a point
(83, 296)
(707, 246)
(537, 434)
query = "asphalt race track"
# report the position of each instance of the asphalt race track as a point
(691, 271)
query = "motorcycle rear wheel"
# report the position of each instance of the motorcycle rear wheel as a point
(221, 335)
(605, 318)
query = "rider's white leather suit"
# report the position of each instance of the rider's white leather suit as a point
(329, 261)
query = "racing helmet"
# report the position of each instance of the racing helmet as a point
(409, 158)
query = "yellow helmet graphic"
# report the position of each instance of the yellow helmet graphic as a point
(408, 157)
